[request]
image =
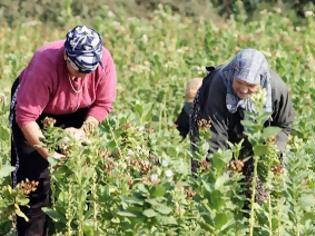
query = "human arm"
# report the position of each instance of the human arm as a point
(218, 133)
(182, 121)
(32, 134)
(105, 90)
(283, 117)
(283, 112)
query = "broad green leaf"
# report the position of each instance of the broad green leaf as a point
(167, 220)
(88, 228)
(136, 210)
(138, 109)
(260, 150)
(21, 199)
(134, 201)
(6, 171)
(158, 191)
(218, 163)
(246, 123)
(270, 131)
(216, 199)
(307, 200)
(149, 213)
(220, 181)
(154, 201)
(206, 185)
(221, 219)
(52, 161)
(309, 216)
(4, 133)
(111, 144)
(126, 214)
(142, 189)
(53, 214)
(163, 209)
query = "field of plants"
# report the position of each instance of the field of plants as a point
(133, 176)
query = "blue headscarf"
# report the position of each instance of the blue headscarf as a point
(251, 66)
(83, 46)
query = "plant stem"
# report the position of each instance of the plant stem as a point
(252, 201)
(69, 209)
(94, 196)
(270, 215)
(115, 139)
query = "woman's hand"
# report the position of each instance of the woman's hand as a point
(77, 134)
(89, 125)
(58, 156)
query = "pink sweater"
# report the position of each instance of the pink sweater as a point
(45, 87)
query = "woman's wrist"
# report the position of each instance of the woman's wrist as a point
(41, 150)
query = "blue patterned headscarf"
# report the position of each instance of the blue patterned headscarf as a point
(251, 66)
(83, 46)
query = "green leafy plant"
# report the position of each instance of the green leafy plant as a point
(133, 176)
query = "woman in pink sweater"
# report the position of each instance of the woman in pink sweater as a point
(73, 81)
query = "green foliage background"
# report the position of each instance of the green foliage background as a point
(157, 49)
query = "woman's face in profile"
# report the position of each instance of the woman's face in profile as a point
(73, 69)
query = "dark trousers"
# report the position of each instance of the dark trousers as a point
(30, 164)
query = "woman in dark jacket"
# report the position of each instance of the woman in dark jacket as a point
(225, 94)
